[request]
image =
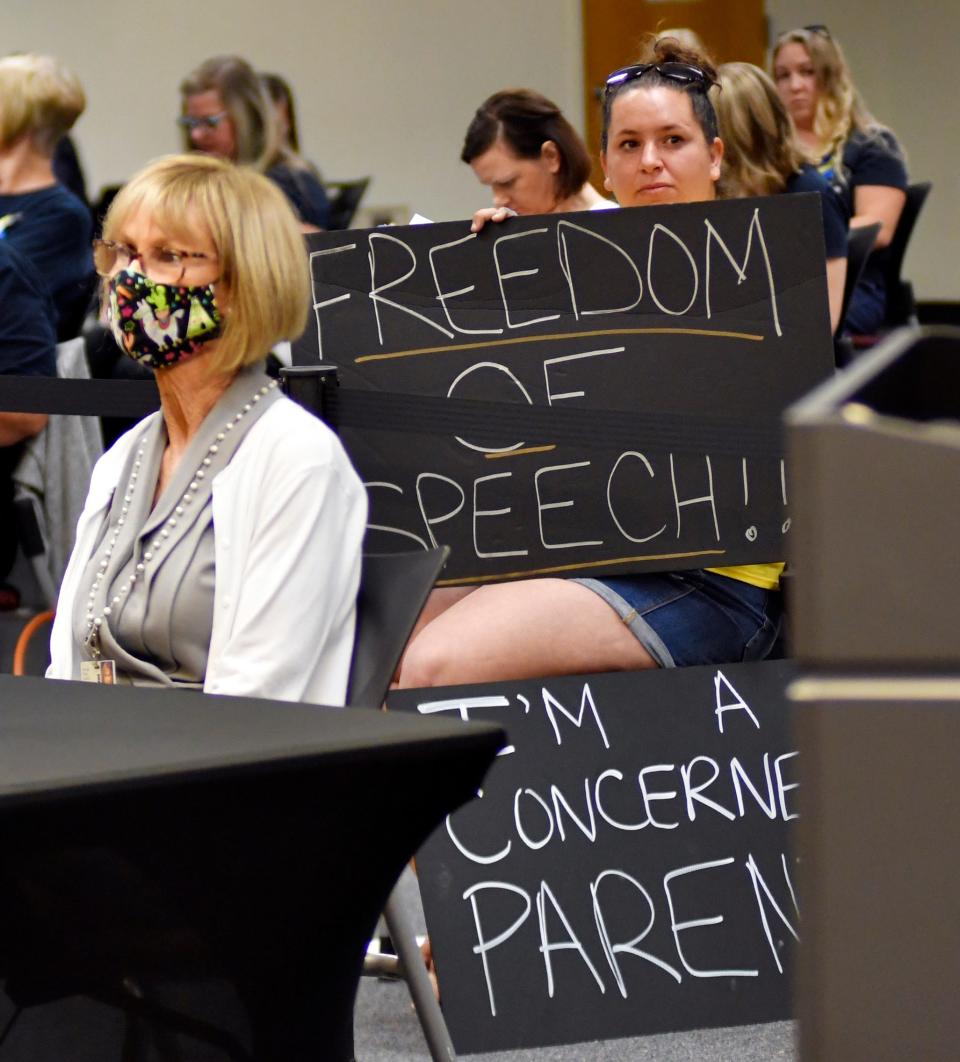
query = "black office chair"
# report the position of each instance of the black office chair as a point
(393, 590)
(901, 307)
(859, 245)
(344, 198)
(901, 304)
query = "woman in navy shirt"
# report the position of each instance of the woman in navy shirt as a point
(860, 158)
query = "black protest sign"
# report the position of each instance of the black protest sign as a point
(598, 391)
(626, 869)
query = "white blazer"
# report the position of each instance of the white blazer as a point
(289, 512)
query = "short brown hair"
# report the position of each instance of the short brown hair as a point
(263, 260)
(526, 120)
(40, 97)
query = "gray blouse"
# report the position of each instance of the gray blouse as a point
(152, 573)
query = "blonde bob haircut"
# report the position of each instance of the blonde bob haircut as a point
(840, 110)
(262, 258)
(39, 98)
(760, 147)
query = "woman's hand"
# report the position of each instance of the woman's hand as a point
(486, 214)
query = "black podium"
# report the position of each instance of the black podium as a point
(875, 467)
(148, 836)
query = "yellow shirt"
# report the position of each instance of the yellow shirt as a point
(766, 576)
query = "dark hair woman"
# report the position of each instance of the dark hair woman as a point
(520, 145)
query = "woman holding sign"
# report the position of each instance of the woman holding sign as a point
(219, 547)
(659, 145)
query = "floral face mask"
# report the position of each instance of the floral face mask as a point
(159, 325)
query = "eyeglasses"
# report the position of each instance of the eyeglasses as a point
(162, 264)
(682, 73)
(818, 28)
(203, 121)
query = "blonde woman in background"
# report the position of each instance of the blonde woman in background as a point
(762, 157)
(40, 99)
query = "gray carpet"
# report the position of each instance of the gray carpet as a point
(387, 1030)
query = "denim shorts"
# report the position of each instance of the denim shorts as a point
(695, 617)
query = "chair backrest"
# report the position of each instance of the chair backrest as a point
(393, 590)
(901, 307)
(345, 197)
(393, 586)
(860, 243)
(51, 480)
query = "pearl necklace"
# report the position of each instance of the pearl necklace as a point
(94, 623)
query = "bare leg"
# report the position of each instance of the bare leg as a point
(530, 629)
(438, 602)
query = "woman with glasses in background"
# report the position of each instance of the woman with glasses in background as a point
(860, 158)
(227, 112)
(219, 547)
(762, 157)
(659, 145)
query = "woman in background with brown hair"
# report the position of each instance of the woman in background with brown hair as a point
(227, 112)
(281, 95)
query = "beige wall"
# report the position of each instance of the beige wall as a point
(904, 61)
(387, 87)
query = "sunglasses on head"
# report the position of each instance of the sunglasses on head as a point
(818, 28)
(205, 121)
(681, 73)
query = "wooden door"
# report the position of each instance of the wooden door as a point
(614, 31)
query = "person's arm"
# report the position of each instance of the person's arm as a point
(879, 178)
(287, 589)
(15, 427)
(835, 246)
(876, 202)
(836, 279)
(28, 341)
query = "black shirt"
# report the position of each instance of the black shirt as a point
(834, 216)
(302, 187)
(873, 158)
